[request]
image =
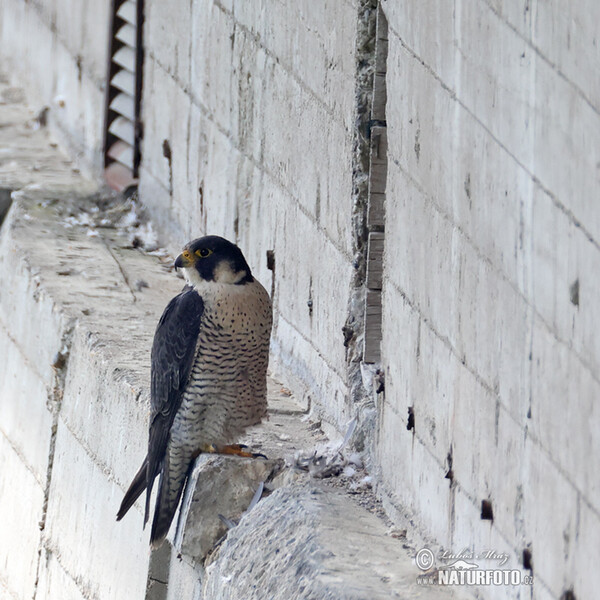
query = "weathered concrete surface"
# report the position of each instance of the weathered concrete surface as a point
(312, 542)
(65, 70)
(491, 294)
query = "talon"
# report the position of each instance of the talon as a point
(236, 450)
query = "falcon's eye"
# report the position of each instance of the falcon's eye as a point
(203, 252)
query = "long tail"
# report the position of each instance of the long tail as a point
(172, 480)
(138, 485)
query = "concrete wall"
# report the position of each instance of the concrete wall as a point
(260, 134)
(58, 49)
(491, 292)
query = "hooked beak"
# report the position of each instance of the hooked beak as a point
(182, 262)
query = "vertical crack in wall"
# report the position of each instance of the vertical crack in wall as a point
(376, 197)
(55, 396)
(361, 404)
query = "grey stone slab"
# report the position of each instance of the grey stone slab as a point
(313, 542)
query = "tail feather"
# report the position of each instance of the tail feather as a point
(138, 485)
(170, 488)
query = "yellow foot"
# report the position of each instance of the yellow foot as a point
(232, 450)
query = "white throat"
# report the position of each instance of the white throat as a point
(223, 274)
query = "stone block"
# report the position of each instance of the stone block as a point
(218, 485)
(168, 37)
(100, 554)
(41, 343)
(54, 581)
(428, 29)
(581, 577)
(21, 512)
(25, 408)
(423, 242)
(213, 84)
(185, 579)
(550, 515)
(564, 411)
(564, 258)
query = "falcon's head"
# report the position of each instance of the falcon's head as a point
(213, 258)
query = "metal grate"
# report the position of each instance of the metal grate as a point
(123, 126)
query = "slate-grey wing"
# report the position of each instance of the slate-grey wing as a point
(173, 354)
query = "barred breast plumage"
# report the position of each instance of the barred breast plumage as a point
(227, 392)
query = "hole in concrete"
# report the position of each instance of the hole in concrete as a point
(201, 199)
(271, 260)
(236, 226)
(450, 473)
(271, 267)
(5, 202)
(130, 190)
(411, 419)
(468, 185)
(527, 559)
(487, 514)
(417, 144)
(168, 154)
(166, 149)
(379, 381)
(568, 595)
(574, 293)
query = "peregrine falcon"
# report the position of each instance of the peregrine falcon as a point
(208, 372)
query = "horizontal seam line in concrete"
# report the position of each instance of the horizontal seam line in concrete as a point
(457, 485)
(307, 340)
(100, 464)
(561, 470)
(24, 356)
(77, 581)
(566, 211)
(496, 269)
(494, 394)
(262, 169)
(392, 497)
(539, 53)
(5, 587)
(22, 458)
(268, 52)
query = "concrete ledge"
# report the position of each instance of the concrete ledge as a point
(312, 541)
